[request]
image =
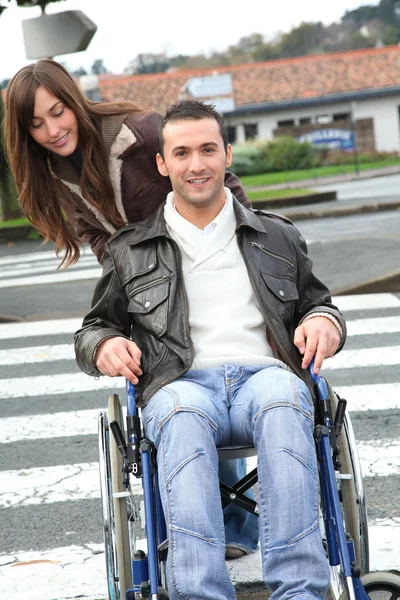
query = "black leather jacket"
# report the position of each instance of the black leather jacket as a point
(141, 295)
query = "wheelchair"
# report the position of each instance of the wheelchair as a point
(136, 561)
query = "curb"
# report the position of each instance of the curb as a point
(341, 211)
(295, 200)
(388, 283)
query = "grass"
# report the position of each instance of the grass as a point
(14, 222)
(255, 195)
(286, 176)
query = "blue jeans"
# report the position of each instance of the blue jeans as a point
(187, 420)
(241, 527)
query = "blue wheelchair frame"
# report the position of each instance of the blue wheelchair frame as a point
(139, 460)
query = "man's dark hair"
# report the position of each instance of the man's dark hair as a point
(191, 110)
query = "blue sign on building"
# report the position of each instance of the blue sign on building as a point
(338, 139)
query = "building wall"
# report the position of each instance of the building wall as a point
(383, 111)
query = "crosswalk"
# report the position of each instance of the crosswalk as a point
(50, 515)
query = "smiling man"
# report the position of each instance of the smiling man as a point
(213, 311)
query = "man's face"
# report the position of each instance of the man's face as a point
(195, 160)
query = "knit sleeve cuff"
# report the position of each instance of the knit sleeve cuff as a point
(327, 316)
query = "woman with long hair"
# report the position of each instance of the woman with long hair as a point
(85, 169)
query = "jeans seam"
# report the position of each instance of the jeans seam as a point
(299, 537)
(296, 457)
(192, 533)
(282, 405)
(181, 465)
(178, 409)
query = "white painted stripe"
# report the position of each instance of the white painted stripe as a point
(366, 301)
(84, 274)
(37, 328)
(40, 256)
(55, 425)
(37, 354)
(380, 396)
(373, 326)
(347, 359)
(11, 271)
(43, 485)
(70, 383)
(61, 483)
(59, 326)
(363, 357)
(79, 571)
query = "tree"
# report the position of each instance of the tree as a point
(98, 67)
(8, 193)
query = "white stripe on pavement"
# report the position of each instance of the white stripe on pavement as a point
(29, 269)
(366, 301)
(44, 485)
(79, 571)
(346, 359)
(363, 357)
(66, 383)
(378, 396)
(53, 278)
(84, 422)
(49, 425)
(37, 354)
(373, 326)
(38, 328)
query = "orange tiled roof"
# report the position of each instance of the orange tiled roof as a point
(289, 79)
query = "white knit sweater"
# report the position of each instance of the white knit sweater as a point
(227, 326)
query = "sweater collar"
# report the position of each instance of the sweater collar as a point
(155, 226)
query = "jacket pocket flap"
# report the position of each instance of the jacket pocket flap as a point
(284, 289)
(149, 297)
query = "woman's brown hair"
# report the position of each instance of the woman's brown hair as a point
(41, 194)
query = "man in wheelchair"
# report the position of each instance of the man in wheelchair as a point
(213, 312)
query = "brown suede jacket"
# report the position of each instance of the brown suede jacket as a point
(131, 144)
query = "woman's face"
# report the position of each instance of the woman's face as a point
(54, 126)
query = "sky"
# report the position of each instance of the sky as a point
(126, 28)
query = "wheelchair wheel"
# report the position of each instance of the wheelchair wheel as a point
(351, 490)
(380, 586)
(115, 515)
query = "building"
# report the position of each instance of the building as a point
(340, 91)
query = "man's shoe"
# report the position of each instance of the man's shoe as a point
(231, 553)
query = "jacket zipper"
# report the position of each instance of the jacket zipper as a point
(188, 338)
(266, 251)
(281, 347)
(150, 284)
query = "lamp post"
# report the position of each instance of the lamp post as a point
(354, 133)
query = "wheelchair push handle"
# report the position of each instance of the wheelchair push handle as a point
(319, 381)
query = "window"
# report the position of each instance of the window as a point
(287, 123)
(321, 119)
(232, 134)
(250, 131)
(341, 116)
(305, 120)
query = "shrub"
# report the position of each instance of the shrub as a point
(247, 159)
(287, 154)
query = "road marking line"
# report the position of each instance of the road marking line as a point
(377, 396)
(373, 326)
(49, 425)
(39, 328)
(63, 277)
(61, 483)
(363, 357)
(59, 326)
(65, 383)
(366, 301)
(37, 354)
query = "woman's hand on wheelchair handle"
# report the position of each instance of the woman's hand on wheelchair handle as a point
(118, 356)
(317, 337)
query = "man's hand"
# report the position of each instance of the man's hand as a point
(119, 356)
(317, 337)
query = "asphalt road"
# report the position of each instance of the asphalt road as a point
(60, 519)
